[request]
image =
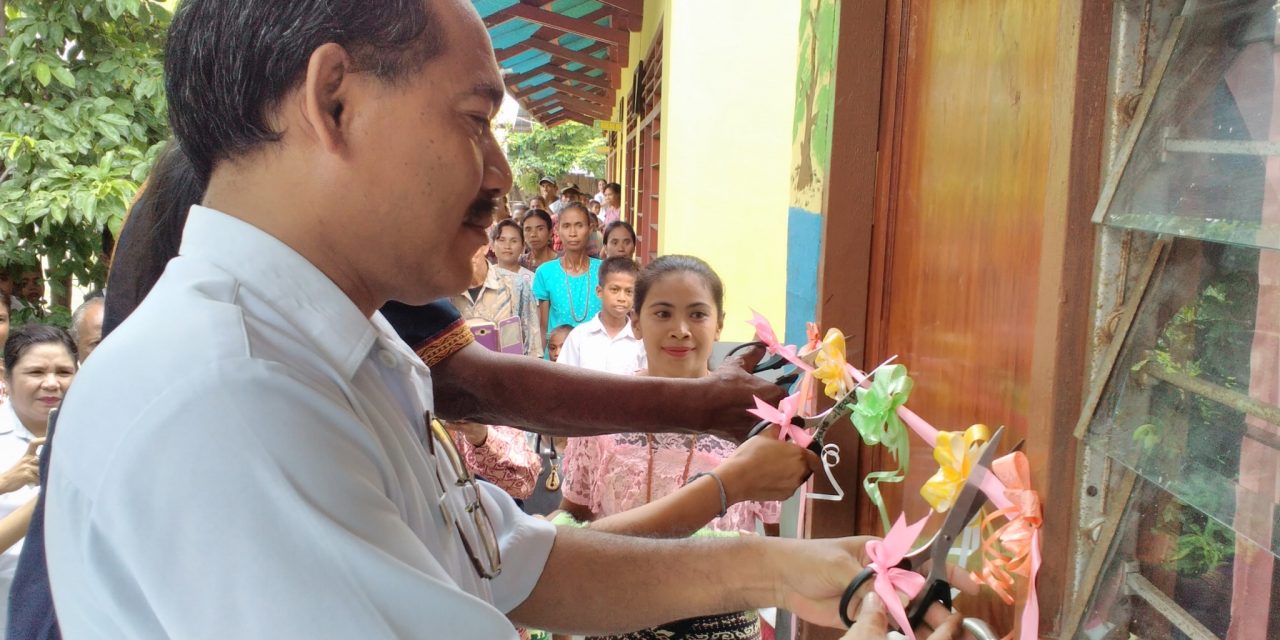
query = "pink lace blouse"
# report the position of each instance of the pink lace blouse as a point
(505, 459)
(609, 474)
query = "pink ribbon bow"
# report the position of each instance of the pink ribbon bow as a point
(890, 580)
(1020, 539)
(765, 334)
(781, 415)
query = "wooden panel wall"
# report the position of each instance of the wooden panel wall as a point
(981, 253)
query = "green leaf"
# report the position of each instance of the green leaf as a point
(43, 76)
(65, 76)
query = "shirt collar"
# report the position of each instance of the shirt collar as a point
(11, 423)
(594, 325)
(285, 281)
(494, 278)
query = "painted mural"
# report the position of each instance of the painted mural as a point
(811, 159)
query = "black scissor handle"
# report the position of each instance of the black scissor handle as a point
(769, 364)
(939, 591)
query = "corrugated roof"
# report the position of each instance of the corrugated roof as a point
(562, 59)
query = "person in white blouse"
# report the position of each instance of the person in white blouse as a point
(269, 466)
(40, 363)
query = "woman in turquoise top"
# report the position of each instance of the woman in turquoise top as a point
(566, 288)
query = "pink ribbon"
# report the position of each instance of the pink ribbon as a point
(781, 415)
(890, 580)
(765, 334)
(1019, 538)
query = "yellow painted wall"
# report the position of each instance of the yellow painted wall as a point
(655, 12)
(729, 74)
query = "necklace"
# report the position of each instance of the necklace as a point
(648, 494)
(553, 478)
(568, 291)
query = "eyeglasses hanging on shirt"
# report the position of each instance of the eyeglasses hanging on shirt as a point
(458, 486)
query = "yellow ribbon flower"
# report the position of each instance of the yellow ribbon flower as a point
(831, 367)
(956, 453)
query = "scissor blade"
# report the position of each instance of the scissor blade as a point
(843, 407)
(968, 504)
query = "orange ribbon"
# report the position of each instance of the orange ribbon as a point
(1014, 548)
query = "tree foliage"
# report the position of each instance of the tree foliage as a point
(82, 116)
(555, 151)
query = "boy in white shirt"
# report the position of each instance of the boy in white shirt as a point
(606, 342)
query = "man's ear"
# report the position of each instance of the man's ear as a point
(325, 90)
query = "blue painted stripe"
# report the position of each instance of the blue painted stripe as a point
(804, 246)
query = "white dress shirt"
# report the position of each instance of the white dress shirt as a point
(14, 439)
(243, 458)
(591, 347)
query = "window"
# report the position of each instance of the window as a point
(1189, 410)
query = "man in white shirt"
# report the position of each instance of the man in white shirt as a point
(606, 341)
(266, 467)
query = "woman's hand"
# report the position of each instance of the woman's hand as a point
(765, 468)
(475, 433)
(26, 471)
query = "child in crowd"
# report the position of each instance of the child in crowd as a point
(672, 484)
(565, 288)
(619, 240)
(555, 340)
(537, 239)
(506, 242)
(595, 239)
(606, 342)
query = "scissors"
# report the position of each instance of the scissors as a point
(770, 364)
(936, 588)
(820, 423)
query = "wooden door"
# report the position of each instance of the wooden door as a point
(984, 179)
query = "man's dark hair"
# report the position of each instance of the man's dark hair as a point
(229, 63)
(617, 264)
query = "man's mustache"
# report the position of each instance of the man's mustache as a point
(483, 207)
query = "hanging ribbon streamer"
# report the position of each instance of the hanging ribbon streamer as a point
(830, 458)
(890, 580)
(1014, 548)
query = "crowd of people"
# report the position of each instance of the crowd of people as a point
(359, 341)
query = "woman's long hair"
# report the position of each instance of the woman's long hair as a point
(152, 233)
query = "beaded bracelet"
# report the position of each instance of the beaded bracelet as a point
(724, 498)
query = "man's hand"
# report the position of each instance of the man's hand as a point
(814, 575)
(730, 392)
(873, 623)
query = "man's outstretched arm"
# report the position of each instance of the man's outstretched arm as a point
(476, 384)
(598, 583)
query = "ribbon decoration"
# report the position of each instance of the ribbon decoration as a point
(830, 458)
(765, 334)
(781, 416)
(1019, 538)
(890, 580)
(830, 365)
(876, 419)
(956, 454)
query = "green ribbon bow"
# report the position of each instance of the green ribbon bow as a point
(875, 415)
